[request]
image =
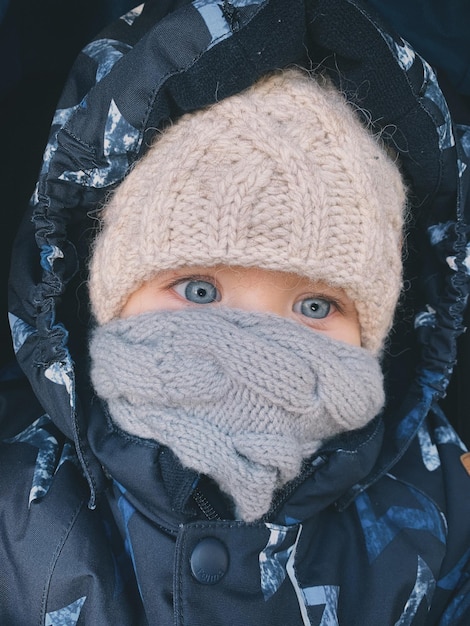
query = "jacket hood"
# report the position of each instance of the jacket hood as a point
(146, 70)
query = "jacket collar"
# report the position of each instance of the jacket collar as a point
(159, 487)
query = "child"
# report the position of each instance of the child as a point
(273, 201)
(248, 448)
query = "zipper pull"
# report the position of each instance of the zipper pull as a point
(205, 506)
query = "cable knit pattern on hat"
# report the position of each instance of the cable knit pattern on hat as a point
(282, 176)
(239, 396)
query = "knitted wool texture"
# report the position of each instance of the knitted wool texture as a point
(239, 396)
(282, 176)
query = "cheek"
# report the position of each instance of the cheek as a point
(337, 326)
(347, 331)
(340, 328)
(145, 300)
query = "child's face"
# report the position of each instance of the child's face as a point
(320, 307)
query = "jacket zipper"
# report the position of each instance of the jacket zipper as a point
(211, 514)
(205, 506)
(285, 493)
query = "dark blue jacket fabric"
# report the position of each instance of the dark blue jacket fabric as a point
(438, 30)
(100, 527)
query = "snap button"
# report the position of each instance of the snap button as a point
(209, 561)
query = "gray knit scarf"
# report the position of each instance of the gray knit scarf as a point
(239, 396)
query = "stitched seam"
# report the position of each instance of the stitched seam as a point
(55, 558)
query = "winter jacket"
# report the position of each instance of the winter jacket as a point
(101, 527)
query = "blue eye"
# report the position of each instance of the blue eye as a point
(198, 291)
(315, 308)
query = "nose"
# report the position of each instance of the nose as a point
(261, 298)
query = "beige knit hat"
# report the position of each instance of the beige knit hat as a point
(282, 176)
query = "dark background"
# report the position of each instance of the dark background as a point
(39, 40)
